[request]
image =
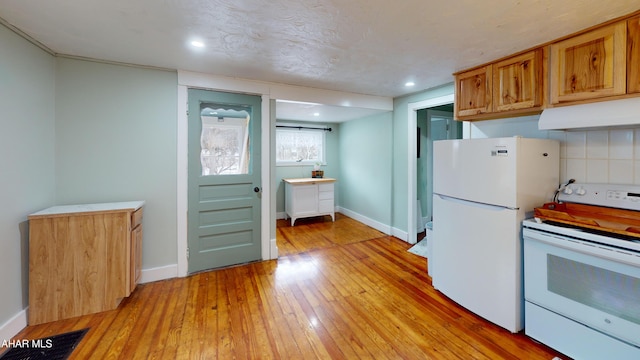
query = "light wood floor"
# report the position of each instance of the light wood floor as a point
(338, 291)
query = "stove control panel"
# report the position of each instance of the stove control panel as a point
(609, 195)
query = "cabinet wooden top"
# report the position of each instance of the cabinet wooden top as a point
(309, 180)
(65, 210)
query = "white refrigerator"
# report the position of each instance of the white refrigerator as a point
(483, 189)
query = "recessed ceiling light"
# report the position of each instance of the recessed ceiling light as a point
(409, 84)
(198, 44)
(316, 114)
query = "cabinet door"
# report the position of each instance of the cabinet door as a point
(633, 55)
(305, 199)
(589, 66)
(517, 82)
(136, 257)
(473, 92)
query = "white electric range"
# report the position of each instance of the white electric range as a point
(582, 285)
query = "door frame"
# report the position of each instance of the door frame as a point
(412, 190)
(269, 92)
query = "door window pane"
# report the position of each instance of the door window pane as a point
(224, 142)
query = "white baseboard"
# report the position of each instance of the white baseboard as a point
(356, 216)
(367, 221)
(159, 273)
(273, 251)
(13, 326)
(400, 234)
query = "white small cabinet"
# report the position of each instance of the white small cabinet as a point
(307, 197)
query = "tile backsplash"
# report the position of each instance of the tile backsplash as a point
(599, 156)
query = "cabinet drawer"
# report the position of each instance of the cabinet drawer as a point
(136, 218)
(325, 187)
(325, 206)
(325, 195)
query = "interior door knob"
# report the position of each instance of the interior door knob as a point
(256, 189)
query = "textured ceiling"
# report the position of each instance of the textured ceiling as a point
(362, 46)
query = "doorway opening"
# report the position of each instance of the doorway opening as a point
(412, 122)
(435, 123)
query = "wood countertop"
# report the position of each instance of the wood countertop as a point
(65, 210)
(309, 180)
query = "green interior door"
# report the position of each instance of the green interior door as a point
(224, 179)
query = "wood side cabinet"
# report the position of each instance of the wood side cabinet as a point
(83, 259)
(307, 197)
(589, 66)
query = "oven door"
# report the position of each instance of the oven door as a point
(597, 286)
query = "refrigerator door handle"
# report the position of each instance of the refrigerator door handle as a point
(475, 204)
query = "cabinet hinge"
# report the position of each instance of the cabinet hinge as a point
(187, 253)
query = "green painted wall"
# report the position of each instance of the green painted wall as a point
(332, 169)
(116, 141)
(366, 163)
(27, 148)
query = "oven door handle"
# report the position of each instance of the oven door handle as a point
(584, 247)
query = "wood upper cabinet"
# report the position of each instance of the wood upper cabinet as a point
(518, 82)
(633, 55)
(473, 92)
(601, 63)
(588, 66)
(512, 84)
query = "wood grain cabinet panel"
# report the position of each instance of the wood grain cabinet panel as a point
(473, 92)
(83, 259)
(633, 55)
(589, 66)
(135, 268)
(518, 82)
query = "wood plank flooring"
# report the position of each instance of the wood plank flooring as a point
(338, 291)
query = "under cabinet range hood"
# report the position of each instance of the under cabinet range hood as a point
(624, 112)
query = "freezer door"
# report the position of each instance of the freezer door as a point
(481, 170)
(477, 259)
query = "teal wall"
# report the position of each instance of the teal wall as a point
(116, 141)
(366, 166)
(27, 162)
(331, 169)
(400, 163)
(81, 132)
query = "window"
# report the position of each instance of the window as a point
(299, 146)
(224, 144)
